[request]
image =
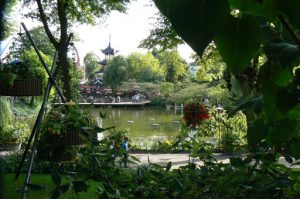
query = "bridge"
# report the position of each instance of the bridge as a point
(111, 104)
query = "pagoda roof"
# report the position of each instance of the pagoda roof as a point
(103, 62)
(109, 50)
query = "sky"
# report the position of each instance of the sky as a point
(125, 29)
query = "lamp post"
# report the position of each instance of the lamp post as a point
(219, 110)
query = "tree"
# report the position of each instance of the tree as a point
(144, 68)
(167, 89)
(210, 64)
(61, 14)
(162, 36)
(6, 25)
(116, 72)
(91, 65)
(41, 40)
(173, 65)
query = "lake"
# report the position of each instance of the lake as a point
(144, 122)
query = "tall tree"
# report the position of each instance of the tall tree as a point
(61, 14)
(144, 68)
(91, 65)
(5, 24)
(116, 72)
(173, 65)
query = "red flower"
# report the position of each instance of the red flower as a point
(194, 114)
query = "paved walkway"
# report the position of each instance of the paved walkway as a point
(181, 159)
(177, 159)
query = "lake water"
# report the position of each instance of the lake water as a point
(145, 122)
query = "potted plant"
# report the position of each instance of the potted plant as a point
(61, 130)
(12, 136)
(194, 114)
(18, 78)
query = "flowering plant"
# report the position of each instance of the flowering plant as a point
(194, 114)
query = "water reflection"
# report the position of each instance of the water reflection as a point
(142, 122)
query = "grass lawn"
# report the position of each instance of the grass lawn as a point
(11, 186)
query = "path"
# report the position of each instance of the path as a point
(177, 159)
(181, 159)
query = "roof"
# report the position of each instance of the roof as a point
(109, 50)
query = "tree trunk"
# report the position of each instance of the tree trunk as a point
(63, 49)
(65, 67)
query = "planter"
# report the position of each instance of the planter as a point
(59, 154)
(22, 88)
(71, 137)
(54, 154)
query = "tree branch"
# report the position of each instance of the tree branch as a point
(46, 26)
(290, 29)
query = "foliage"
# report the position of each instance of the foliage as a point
(116, 72)
(91, 65)
(173, 65)
(167, 89)
(153, 144)
(77, 76)
(240, 31)
(15, 133)
(198, 92)
(162, 35)
(29, 68)
(40, 39)
(144, 68)
(59, 119)
(6, 25)
(6, 114)
(211, 65)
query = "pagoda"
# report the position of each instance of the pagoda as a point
(109, 52)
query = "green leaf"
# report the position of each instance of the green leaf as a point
(270, 9)
(294, 148)
(290, 8)
(248, 160)
(247, 6)
(283, 52)
(282, 131)
(56, 177)
(254, 103)
(294, 113)
(282, 76)
(79, 186)
(270, 90)
(239, 42)
(236, 162)
(169, 165)
(256, 132)
(196, 21)
(287, 98)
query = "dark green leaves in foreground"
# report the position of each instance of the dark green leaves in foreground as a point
(239, 42)
(196, 21)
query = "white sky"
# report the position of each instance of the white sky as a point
(126, 30)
